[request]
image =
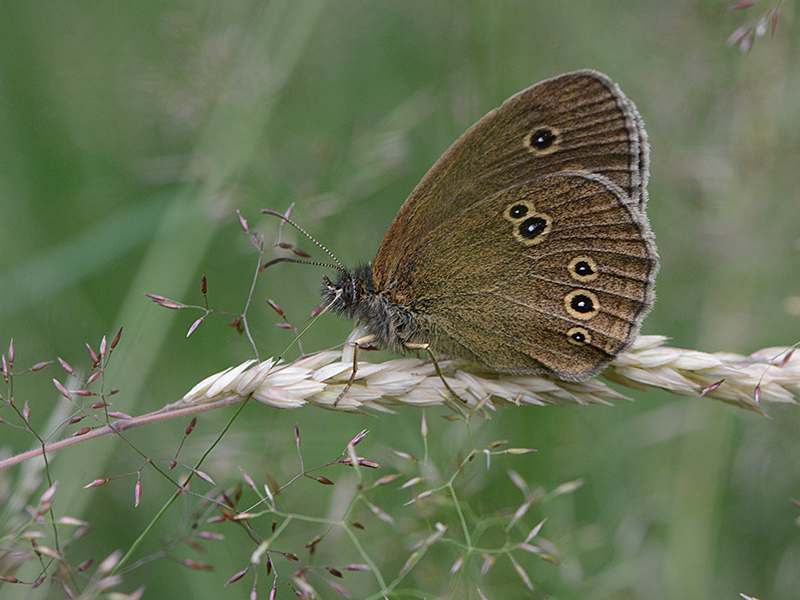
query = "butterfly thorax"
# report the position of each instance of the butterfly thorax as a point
(353, 295)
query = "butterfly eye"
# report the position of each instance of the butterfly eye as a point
(348, 291)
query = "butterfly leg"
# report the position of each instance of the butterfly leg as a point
(427, 349)
(356, 349)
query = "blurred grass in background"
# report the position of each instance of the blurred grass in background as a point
(131, 132)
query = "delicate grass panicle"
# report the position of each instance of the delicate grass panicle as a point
(745, 35)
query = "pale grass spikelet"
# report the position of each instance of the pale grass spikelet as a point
(320, 379)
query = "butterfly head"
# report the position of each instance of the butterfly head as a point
(349, 292)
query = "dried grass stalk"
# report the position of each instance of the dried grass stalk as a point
(769, 375)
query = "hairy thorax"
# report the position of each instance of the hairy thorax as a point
(353, 295)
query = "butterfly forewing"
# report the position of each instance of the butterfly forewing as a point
(578, 121)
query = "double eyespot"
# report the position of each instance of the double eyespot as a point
(530, 227)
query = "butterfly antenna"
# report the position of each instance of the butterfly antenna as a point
(338, 266)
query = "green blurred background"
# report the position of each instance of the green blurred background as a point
(131, 132)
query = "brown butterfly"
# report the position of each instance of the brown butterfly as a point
(526, 248)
